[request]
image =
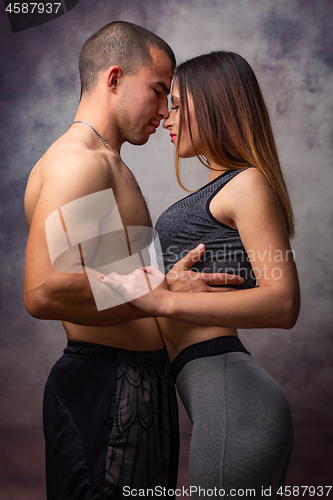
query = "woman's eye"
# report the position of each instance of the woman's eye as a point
(175, 107)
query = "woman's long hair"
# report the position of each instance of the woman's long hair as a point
(232, 118)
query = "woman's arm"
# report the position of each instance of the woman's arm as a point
(251, 204)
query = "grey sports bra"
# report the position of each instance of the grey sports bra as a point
(189, 222)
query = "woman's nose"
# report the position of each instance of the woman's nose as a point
(167, 122)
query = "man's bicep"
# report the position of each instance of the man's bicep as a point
(60, 249)
(55, 224)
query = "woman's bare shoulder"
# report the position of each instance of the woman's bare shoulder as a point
(250, 179)
(249, 188)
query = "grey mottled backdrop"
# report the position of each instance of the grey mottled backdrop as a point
(289, 44)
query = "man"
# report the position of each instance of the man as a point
(110, 413)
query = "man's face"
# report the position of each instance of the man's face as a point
(143, 99)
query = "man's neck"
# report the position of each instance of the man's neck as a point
(95, 113)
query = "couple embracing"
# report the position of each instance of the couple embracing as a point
(110, 410)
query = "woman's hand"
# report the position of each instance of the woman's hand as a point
(145, 288)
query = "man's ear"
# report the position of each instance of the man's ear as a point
(114, 73)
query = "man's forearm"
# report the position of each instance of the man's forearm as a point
(68, 297)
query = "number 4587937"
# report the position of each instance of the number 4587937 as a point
(301, 491)
(31, 8)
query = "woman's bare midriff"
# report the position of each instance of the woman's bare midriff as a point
(178, 334)
(139, 335)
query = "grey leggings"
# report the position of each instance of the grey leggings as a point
(242, 425)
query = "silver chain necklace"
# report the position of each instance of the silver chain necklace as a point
(99, 136)
(115, 152)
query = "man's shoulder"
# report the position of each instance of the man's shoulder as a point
(67, 158)
(66, 172)
(69, 162)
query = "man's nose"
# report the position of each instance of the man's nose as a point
(164, 109)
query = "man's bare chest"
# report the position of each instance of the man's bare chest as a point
(130, 201)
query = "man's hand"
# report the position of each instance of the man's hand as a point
(181, 279)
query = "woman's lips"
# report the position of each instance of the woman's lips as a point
(173, 136)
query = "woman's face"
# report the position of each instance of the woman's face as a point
(186, 149)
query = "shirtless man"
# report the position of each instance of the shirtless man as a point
(110, 412)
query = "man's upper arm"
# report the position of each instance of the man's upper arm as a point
(62, 186)
(76, 234)
(75, 199)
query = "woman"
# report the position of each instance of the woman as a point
(242, 424)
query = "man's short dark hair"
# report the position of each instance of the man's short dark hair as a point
(122, 43)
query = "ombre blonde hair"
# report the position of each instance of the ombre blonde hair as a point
(232, 118)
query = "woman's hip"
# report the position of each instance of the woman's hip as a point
(220, 374)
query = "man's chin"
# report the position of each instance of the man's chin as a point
(138, 141)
